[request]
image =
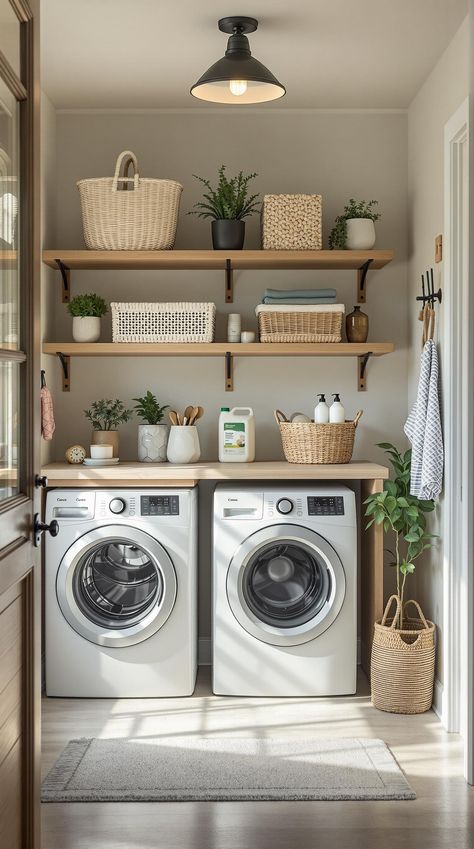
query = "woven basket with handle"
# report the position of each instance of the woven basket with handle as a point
(129, 213)
(403, 660)
(307, 442)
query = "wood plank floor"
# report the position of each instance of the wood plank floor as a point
(442, 817)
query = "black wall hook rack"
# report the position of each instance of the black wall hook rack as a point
(428, 294)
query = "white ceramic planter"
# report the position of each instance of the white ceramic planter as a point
(86, 329)
(360, 234)
(183, 444)
(152, 443)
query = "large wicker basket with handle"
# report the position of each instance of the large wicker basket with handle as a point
(403, 659)
(129, 213)
(307, 442)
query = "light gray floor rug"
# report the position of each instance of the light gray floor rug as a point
(224, 769)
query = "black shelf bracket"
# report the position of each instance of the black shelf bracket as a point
(65, 363)
(229, 282)
(361, 371)
(66, 276)
(361, 280)
(229, 372)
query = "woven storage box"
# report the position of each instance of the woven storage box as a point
(180, 322)
(403, 662)
(307, 442)
(291, 223)
(289, 323)
(142, 218)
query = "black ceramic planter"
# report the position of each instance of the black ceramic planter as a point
(228, 234)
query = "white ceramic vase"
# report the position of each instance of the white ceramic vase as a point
(183, 444)
(152, 443)
(86, 329)
(360, 234)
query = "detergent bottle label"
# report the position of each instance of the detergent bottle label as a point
(234, 437)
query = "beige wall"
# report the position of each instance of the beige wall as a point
(361, 154)
(441, 95)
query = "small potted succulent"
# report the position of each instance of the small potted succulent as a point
(86, 311)
(227, 206)
(354, 230)
(153, 434)
(105, 416)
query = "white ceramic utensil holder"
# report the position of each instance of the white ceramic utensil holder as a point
(152, 443)
(183, 444)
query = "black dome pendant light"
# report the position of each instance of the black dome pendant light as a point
(238, 78)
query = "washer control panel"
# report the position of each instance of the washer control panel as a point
(159, 505)
(325, 505)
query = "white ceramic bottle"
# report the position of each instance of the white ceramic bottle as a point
(234, 327)
(337, 413)
(321, 411)
(236, 435)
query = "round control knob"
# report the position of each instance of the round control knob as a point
(285, 506)
(117, 505)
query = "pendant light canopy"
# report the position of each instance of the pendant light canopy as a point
(238, 78)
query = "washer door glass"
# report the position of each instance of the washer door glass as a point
(286, 585)
(116, 586)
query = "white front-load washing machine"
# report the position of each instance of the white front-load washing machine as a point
(284, 590)
(121, 593)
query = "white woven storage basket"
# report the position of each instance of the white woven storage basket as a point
(291, 223)
(175, 322)
(141, 216)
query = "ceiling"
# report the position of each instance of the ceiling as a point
(328, 53)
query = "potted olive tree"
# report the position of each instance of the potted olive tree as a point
(403, 652)
(354, 230)
(87, 311)
(153, 434)
(227, 206)
(105, 417)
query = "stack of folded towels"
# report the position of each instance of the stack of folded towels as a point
(299, 296)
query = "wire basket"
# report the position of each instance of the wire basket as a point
(300, 324)
(174, 322)
(308, 442)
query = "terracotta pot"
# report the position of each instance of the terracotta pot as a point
(357, 326)
(106, 437)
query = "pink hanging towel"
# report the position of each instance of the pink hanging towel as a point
(48, 425)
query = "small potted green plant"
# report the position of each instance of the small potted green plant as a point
(227, 206)
(153, 434)
(87, 311)
(354, 230)
(105, 417)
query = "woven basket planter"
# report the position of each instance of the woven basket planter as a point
(300, 324)
(291, 223)
(403, 662)
(175, 322)
(307, 442)
(143, 217)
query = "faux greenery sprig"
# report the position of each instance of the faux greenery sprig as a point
(148, 408)
(84, 306)
(229, 200)
(108, 415)
(402, 515)
(353, 209)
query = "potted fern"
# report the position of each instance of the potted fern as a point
(86, 311)
(227, 206)
(105, 416)
(354, 230)
(153, 433)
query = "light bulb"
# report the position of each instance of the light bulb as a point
(238, 87)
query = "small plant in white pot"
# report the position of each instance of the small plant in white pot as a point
(153, 435)
(105, 416)
(87, 311)
(354, 230)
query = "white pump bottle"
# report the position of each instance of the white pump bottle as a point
(337, 413)
(321, 411)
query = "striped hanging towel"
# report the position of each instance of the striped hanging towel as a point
(423, 428)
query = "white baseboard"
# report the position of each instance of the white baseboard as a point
(438, 699)
(205, 651)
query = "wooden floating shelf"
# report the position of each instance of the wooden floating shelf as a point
(66, 350)
(227, 261)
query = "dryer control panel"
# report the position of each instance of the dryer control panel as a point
(325, 505)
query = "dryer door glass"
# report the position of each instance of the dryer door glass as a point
(286, 583)
(116, 583)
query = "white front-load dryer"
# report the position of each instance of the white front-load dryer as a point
(284, 590)
(121, 593)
